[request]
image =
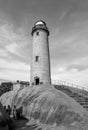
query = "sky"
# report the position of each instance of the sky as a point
(67, 21)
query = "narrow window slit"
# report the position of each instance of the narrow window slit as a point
(37, 58)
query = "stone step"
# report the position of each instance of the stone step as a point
(81, 99)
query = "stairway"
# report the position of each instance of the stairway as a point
(79, 95)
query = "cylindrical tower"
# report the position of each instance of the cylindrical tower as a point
(40, 59)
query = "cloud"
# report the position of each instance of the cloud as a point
(13, 70)
(14, 75)
(73, 76)
(12, 48)
(75, 72)
(68, 25)
(69, 41)
(14, 53)
(14, 43)
(3, 53)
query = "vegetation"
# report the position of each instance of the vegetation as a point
(5, 87)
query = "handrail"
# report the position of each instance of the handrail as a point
(60, 82)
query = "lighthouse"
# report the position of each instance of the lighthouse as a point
(40, 56)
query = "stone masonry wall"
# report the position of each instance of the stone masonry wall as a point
(40, 47)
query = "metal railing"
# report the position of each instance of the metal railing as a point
(59, 82)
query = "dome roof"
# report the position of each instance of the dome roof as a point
(40, 22)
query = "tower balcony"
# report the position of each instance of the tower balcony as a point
(40, 27)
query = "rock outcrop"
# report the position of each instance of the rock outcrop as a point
(46, 105)
(5, 121)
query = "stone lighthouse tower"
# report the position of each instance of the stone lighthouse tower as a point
(40, 58)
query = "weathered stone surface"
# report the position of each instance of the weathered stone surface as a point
(46, 105)
(5, 121)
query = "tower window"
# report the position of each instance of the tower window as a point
(37, 33)
(37, 58)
